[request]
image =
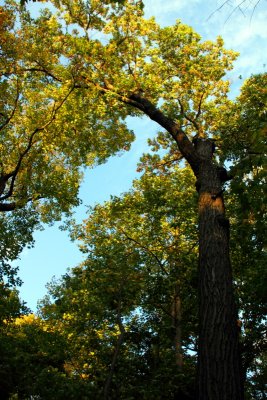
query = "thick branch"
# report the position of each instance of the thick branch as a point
(184, 144)
(7, 206)
(147, 107)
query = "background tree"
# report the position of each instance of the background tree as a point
(121, 310)
(244, 145)
(33, 355)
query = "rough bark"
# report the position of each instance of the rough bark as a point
(219, 366)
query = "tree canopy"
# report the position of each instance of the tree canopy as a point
(134, 301)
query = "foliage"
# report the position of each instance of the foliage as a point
(40, 171)
(119, 310)
(131, 306)
(32, 360)
(77, 93)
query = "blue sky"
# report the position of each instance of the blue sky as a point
(244, 31)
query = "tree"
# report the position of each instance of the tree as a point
(128, 312)
(139, 249)
(169, 75)
(10, 308)
(119, 64)
(246, 123)
(32, 359)
(32, 353)
(126, 315)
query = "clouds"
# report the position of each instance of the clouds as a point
(243, 29)
(248, 37)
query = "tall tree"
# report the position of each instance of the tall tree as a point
(173, 78)
(244, 131)
(119, 64)
(128, 312)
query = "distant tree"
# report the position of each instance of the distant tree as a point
(128, 312)
(246, 122)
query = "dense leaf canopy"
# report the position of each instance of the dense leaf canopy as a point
(125, 321)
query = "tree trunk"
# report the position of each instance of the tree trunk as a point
(115, 354)
(219, 365)
(176, 312)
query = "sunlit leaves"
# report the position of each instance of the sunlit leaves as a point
(140, 255)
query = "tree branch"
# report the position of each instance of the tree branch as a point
(16, 170)
(7, 206)
(147, 250)
(43, 70)
(13, 111)
(191, 120)
(184, 144)
(148, 108)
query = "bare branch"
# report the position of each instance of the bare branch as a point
(192, 121)
(237, 7)
(149, 251)
(254, 8)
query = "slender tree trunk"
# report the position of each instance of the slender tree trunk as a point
(115, 354)
(176, 313)
(219, 365)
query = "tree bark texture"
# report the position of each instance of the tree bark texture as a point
(219, 365)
